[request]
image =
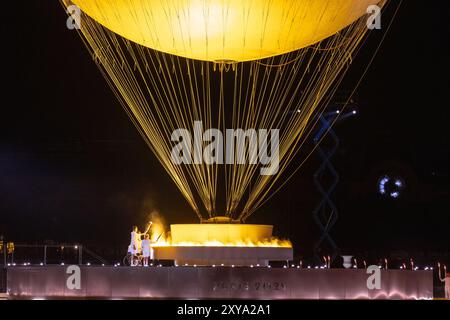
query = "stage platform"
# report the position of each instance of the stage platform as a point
(51, 282)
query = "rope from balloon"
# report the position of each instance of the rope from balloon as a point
(161, 92)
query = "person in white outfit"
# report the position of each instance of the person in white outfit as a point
(446, 280)
(135, 243)
(147, 250)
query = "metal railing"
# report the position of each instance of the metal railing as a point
(45, 254)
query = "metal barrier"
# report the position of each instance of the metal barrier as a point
(213, 282)
(47, 254)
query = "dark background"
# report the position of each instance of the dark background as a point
(74, 169)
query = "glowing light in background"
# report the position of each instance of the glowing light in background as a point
(390, 187)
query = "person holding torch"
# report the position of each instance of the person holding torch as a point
(135, 243)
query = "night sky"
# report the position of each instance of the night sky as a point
(74, 169)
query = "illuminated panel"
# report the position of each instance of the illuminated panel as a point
(226, 256)
(223, 244)
(224, 235)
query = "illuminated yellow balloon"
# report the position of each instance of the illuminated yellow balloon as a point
(225, 30)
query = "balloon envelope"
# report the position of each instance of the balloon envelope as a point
(225, 30)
